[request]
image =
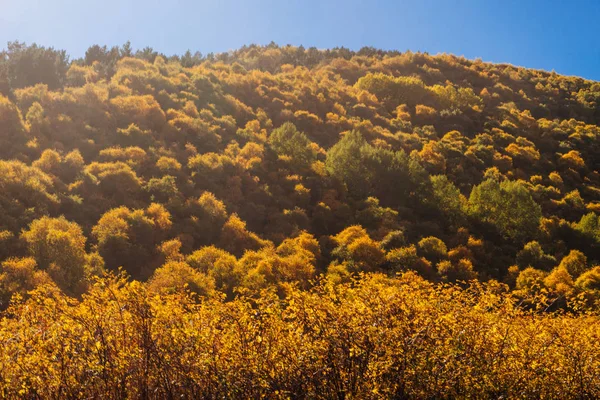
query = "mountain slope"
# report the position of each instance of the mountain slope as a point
(287, 222)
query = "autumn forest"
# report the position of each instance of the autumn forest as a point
(287, 222)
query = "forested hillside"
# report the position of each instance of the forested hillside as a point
(268, 174)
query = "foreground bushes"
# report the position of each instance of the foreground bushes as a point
(372, 338)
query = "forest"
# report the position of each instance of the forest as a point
(288, 222)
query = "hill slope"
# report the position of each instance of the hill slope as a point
(455, 168)
(286, 221)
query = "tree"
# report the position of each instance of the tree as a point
(365, 253)
(559, 280)
(287, 141)
(572, 159)
(205, 217)
(235, 238)
(116, 181)
(589, 225)
(49, 162)
(394, 91)
(58, 246)
(355, 246)
(532, 255)
(220, 265)
(147, 53)
(575, 263)
(446, 197)
(12, 134)
(589, 280)
(530, 280)
(345, 162)
(130, 238)
(143, 111)
(433, 249)
(163, 189)
(28, 65)
(462, 270)
(449, 97)
(366, 170)
(105, 60)
(19, 276)
(377, 218)
(26, 193)
(507, 206)
(406, 258)
(178, 276)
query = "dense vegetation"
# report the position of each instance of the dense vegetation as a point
(375, 338)
(265, 206)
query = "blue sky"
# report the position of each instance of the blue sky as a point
(550, 34)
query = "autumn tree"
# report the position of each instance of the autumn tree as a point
(12, 134)
(356, 246)
(432, 248)
(235, 238)
(58, 246)
(575, 263)
(129, 238)
(177, 276)
(19, 276)
(394, 91)
(220, 265)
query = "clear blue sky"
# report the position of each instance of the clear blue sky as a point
(553, 35)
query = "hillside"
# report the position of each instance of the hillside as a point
(282, 173)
